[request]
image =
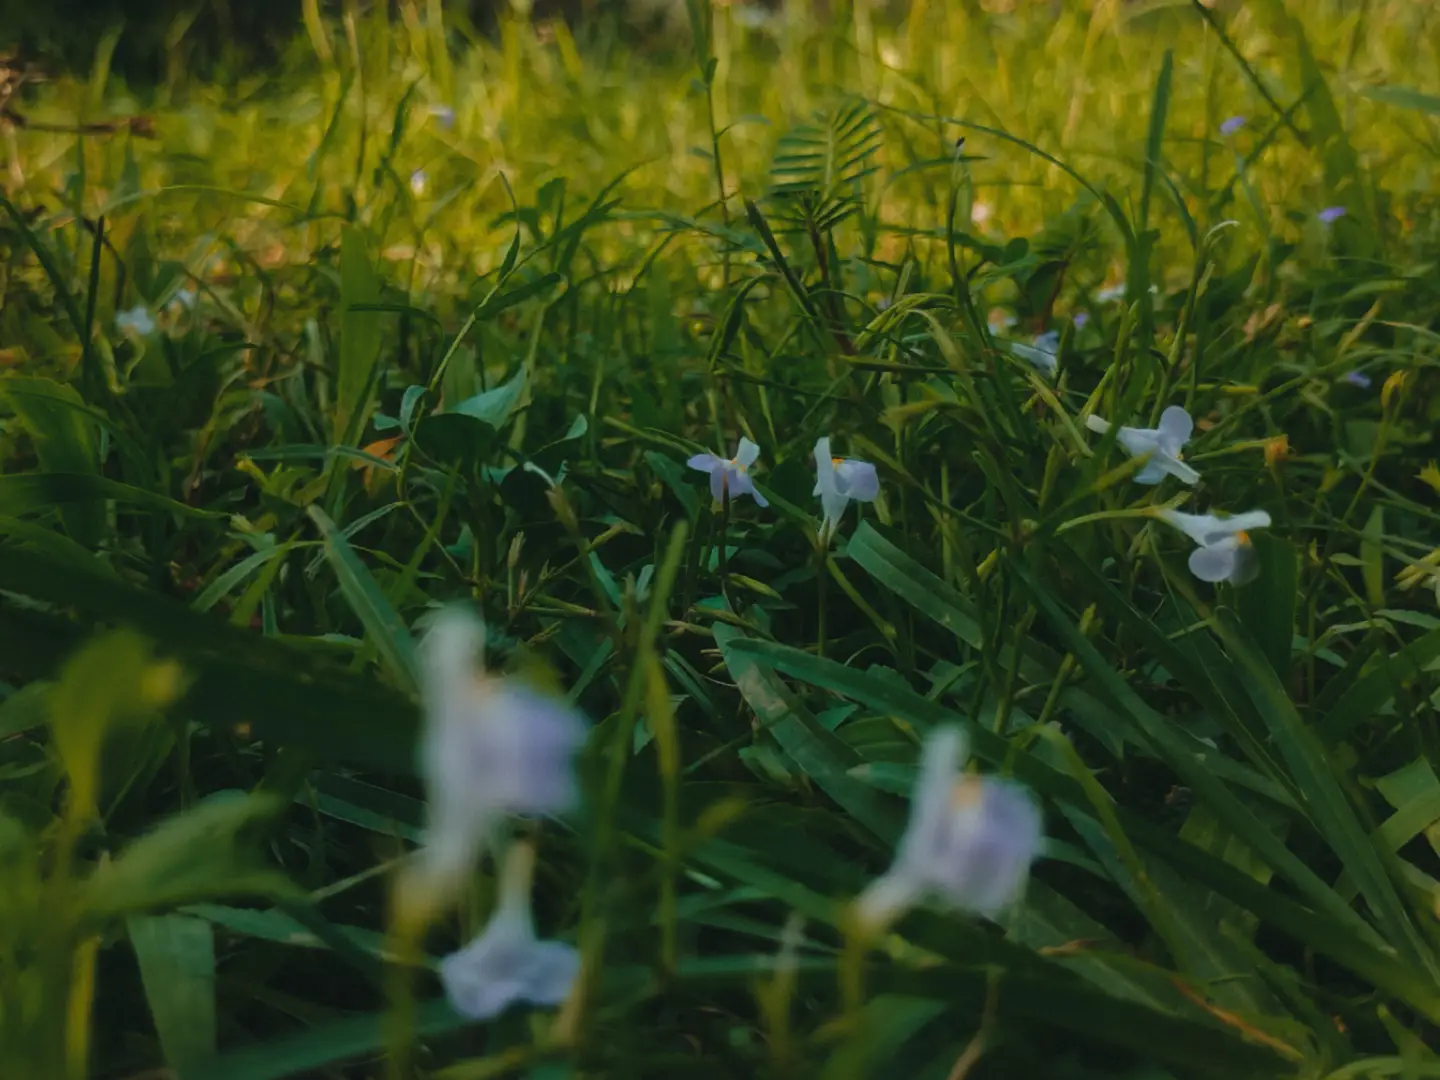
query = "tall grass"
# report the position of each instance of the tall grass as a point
(421, 316)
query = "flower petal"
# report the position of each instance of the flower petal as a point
(719, 476)
(747, 454)
(824, 468)
(1152, 472)
(1178, 469)
(705, 462)
(506, 965)
(832, 505)
(1097, 424)
(989, 870)
(1247, 565)
(940, 761)
(1214, 563)
(1175, 428)
(858, 479)
(1196, 526)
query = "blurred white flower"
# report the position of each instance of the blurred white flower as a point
(492, 747)
(999, 319)
(1042, 354)
(507, 963)
(730, 476)
(981, 212)
(1225, 552)
(970, 840)
(417, 182)
(443, 114)
(1110, 293)
(185, 298)
(837, 481)
(1161, 444)
(137, 321)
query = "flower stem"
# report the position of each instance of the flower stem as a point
(820, 593)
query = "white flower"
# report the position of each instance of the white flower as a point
(444, 114)
(417, 183)
(507, 963)
(185, 298)
(1162, 445)
(970, 840)
(492, 747)
(1043, 354)
(1110, 293)
(1224, 552)
(730, 477)
(137, 321)
(837, 481)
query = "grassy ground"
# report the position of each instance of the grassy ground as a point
(416, 317)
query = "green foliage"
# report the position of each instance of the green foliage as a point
(397, 361)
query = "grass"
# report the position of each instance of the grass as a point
(397, 361)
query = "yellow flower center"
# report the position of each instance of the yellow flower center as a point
(1242, 538)
(837, 461)
(967, 792)
(736, 462)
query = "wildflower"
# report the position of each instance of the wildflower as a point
(507, 963)
(417, 182)
(999, 319)
(1225, 552)
(837, 481)
(443, 114)
(1081, 319)
(1358, 378)
(137, 321)
(970, 840)
(981, 212)
(1331, 214)
(185, 298)
(730, 478)
(1111, 293)
(1162, 445)
(1277, 449)
(1042, 353)
(492, 747)
(1232, 125)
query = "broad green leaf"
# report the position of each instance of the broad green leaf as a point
(65, 442)
(494, 407)
(360, 326)
(176, 954)
(26, 493)
(386, 630)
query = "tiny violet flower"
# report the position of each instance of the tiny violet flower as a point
(417, 182)
(970, 840)
(1162, 445)
(1225, 552)
(1232, 125)
(1081, 319)
(1331, 214)
(137, 321)
(1358, 378)
(507, 964)
(730, 477)
(492, 747)
(1042, 354)
(837, 481)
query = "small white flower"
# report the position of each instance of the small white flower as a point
(507, 963)
(981, 212)
(1043, 354)
(730, 476)
(137, 321)
(1225, 552)
(1162, 445)
(492, 747)
(185, 298)
(1110, 293)
(443, 114)
(970, 840)
(417, 182)
(837, 481)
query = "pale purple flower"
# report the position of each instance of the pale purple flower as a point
(970, 840)
(418, 180)
(1358, 378)
(1225, 552)
(507, 963)
(444, 115)
(492, 747)
(1042, 353)
(1081, 319)
(1331, 214)
(137, 321)
(1162, 445)
(1232, 125)
(730, 477)
(837, 481)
